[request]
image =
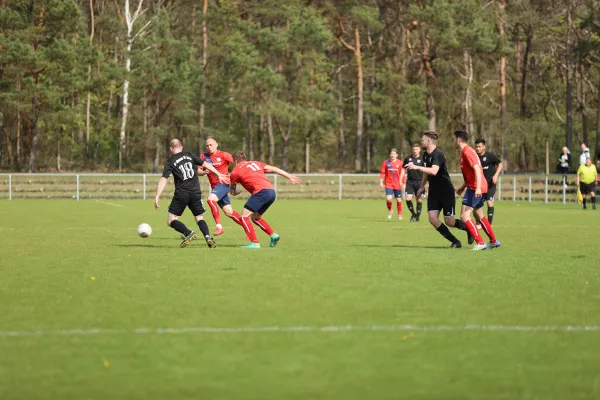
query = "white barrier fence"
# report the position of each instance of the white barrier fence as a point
(545, 188)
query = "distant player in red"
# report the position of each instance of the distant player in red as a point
(391, 178)
(476, 186)
(251, 175)
(219, 195)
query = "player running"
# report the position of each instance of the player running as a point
(492, 166)
(183, 166)
(219, 195)
(441, 191)
(413, 182)
(391, 177)
(476, 186)
(251, 175)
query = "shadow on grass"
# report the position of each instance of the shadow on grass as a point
(143, 245)
(404, 246)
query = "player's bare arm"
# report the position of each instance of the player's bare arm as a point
(202, 171)
(402, 173)
(233, 190)
(222, 178)
(478, 178)
(461, 189)
(292, 178)
(497, 174)
(381, 185)
(159, 189)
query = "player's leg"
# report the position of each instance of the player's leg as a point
(249, 228)
(214, 202)
(434, 207)
(196, 206)
(398, 196)
(469, 203)
(389, 195)
(409, 203)
(268, 197)
(419, 206)
(490, 202)
(176, 209)
(231, 213)
(449, 207)
(583, 189)
(487, 227)
(592, 191)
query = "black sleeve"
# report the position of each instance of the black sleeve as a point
(495, 159)
(437, 159)
(405, 162)
(197, 160)
(166, 170)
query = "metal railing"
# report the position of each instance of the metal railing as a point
(529, 188)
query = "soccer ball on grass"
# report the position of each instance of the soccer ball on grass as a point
(144, 230)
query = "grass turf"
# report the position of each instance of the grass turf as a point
(337, 264)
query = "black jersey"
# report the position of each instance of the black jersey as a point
(183, 167)
(489, 163)
(441, 181)
(413, 174)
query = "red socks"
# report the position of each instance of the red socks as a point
(214, 208)
(249, 229)
(399, 206)
(487, 227)
(264, 226)
(472, 228)
(237, 218)
(389, 205)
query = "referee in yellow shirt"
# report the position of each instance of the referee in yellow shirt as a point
(587, 176)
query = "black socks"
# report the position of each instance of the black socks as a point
(180, 227)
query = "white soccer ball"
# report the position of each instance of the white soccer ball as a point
(144, 230)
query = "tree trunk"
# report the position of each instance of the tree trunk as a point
(89, 90)
(307, 152)
(523, 100)
(271, 138)
(203, 61)
(34, 133)
(58, 167)
(157, 139)
(360, 105)
(342, 152)
(1, 135)
(582, 103)
(261, 138)
(469, 126)
(125, 102)
(517, 40)
(502, 76)
(431, 80)
(19, 128)
(598, 124)
(286, 143)
(250, 136)
(145, 113)
(569, 92)
(96, 150)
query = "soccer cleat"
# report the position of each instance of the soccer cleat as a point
(188, 239)
(400, 218)
(413, 218)
(584, 207)
(251, 246)
(594, 206)
(219, 231)
(495, 244)
(478, 247)
(274, 240)
(210, 242)
(456, 245)
(417, 219)
(390, 215)
(470, 238)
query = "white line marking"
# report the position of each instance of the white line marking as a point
(341, 328)
(109, 204)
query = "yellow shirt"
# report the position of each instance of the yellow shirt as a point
(587, 174)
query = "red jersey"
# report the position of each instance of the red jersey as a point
(391, 170)
(220, 160)
(468, 159)
(251, 175)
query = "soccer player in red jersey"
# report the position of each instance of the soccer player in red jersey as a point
(251, 175)
(391, 178)
(476, 186)
(219, 195)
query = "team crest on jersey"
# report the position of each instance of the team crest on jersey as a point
(219, 159)
(484, 158)
(418, 161)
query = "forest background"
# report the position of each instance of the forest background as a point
(312, 86)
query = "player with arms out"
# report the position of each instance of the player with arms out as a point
(219, 194)
(476, 187)
(184, 168)
(492, 166)
(251, 175)
(390, 179)
(441, 191)
(413, 182)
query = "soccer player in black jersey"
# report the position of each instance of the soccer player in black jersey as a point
(441, 191)
(492, 166)
(414, 178)
(184, 168)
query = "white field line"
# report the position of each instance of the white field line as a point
(308, 329)
(109, 204)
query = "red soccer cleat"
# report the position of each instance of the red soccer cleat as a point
(219, 231)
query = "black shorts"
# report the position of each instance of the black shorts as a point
(181, 200)
(442, 201)
(412, 187)
(587, 188)
(491, 193)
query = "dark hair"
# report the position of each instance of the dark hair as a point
(480, 140)
(431, 135)
(239, 156)
(416, 144)
(462, 135)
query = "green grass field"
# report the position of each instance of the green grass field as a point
(77, 286)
